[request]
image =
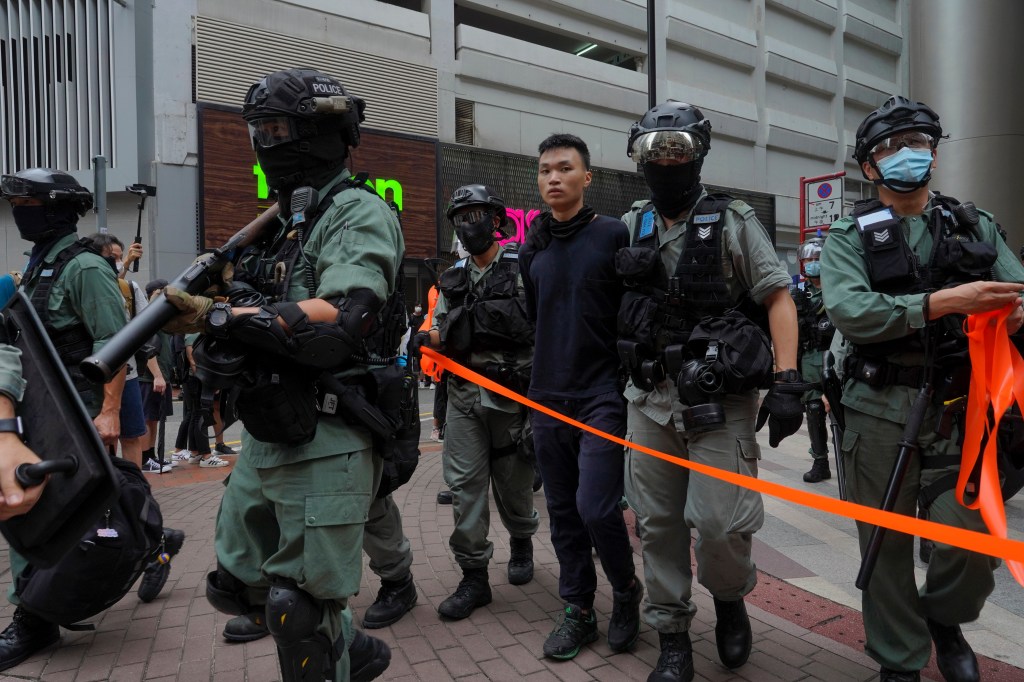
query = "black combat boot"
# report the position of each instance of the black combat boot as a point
(954, 655)
(886, 675)
(472, 592)
(247, 628)
(732, 632)
(624, 625)
(395, 599)
(368, 657)
(26, 635)
(676, 661)
(520, 564)
(819, 471)
(445, 496)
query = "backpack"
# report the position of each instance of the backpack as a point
(107, 561)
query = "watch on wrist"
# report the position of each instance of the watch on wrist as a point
(788, 376)
(12, 426)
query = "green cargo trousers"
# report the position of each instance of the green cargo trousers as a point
(384, 541)
(669, 500)
(481, 451)
(957, 581)
(301, 522)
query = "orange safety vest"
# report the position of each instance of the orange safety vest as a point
(427, 365)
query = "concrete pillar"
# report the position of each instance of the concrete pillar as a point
(965, 64)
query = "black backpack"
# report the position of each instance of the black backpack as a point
(106, 563)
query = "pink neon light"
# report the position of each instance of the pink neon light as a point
(522, 218)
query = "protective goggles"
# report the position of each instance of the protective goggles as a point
(809, 250)
(674, 145)
(272, 131)
(13, 186)
(913, 139)
(473, 215)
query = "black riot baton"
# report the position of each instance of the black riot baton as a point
(908, 446)
(142, 191)
(833, 391)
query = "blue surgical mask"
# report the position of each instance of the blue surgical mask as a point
(812, 268)
(906, 165)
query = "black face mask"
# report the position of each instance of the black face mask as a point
(674, 189)
(39, 223)
(113, 264)
(477, 237)
(311, 161)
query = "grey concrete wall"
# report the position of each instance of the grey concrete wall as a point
(965, 65)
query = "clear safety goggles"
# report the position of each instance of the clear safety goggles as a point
(913, 139)
(473, 215)
(810, 250)
(270, 132)
(674, 145)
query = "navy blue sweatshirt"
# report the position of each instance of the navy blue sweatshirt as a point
(573, 296)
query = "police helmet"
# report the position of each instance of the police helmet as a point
(53, 187)
(297, 104)
(897, 115)
(811, 248)
(477, 195)
(670, 130)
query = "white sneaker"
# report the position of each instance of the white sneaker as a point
(181, 456)
(151, 466)
(433, 387)
(213, 461)
(435, 434)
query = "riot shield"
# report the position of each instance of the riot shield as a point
(57, 428)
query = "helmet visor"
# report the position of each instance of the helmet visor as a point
(809, 250)
(672, 145)
(914, 139)
(13, 186)
(473, 215)
(272, 131)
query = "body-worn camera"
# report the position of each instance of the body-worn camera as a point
(699, 386)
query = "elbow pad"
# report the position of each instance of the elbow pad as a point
(311, 344)
(357, 313)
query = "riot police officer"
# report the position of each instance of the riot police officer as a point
(480, 320)
(75, 293)
(898, 276)
(290, 528)
(816, 332)
(698, 399)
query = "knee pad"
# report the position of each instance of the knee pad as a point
(292, 618)
(226, 593)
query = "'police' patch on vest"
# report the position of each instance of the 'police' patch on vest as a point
(706, 218)
(646, 226)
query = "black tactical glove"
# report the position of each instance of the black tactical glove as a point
(783, 410)
(418, 340)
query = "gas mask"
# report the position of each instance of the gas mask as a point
(40, 223)
(675, 188)
(475, 229)
(312, 161)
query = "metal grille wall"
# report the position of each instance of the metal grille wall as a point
(57, 83)
(514, 178)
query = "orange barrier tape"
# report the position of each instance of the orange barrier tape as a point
(1010, 550)
(997, 381)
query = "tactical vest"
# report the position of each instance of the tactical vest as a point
(488, 315)
(958, 255)
(73, 343)
(697, 288)
(816, 329)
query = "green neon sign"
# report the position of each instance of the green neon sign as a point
(381, 185)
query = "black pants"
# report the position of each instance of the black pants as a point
(192, 432)
(583, 481)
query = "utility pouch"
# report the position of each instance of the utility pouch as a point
(637, 316)
(454, 284)
(279, 406)
(869, 370)
(965, 260)
(456, 330)
(890, 262)
(639, 265)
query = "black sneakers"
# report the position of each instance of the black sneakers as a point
(154, 577)
(520, 563)
(394, 600)
(624, 627)
(886, 675)
(472, 592)
(224, 449)
(572, 632)
(676, 661)
(26, 635)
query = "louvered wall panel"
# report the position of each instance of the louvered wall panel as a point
(400, 96)
(56, 84)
